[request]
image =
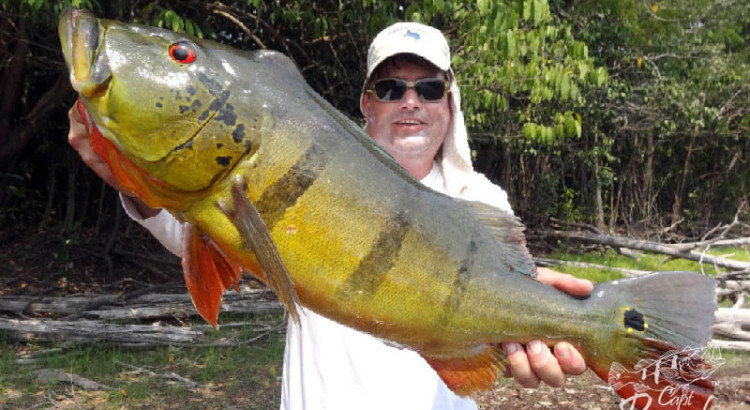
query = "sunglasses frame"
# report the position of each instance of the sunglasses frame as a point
(410, 84)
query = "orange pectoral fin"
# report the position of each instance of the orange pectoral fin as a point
(207, 273)
(468, 374)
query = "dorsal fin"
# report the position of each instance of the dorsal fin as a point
(507, 230)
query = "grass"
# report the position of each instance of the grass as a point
(246, 376)
(645, 262)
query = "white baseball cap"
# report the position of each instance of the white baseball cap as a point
(409, 38)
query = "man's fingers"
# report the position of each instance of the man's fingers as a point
(565, 282)
(570, 360)
(519, 366)
(78, 138)
(544, 364)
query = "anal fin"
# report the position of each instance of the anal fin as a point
(476, 371)
(258, 240)
(208, 273)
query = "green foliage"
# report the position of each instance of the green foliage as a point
(637, 112)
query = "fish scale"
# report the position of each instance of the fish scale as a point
(269, 178)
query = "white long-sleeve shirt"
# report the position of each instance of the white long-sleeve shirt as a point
(331, 366)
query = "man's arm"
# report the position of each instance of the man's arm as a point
(537, 362)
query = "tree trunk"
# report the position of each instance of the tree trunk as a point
(598, 188)
(11, 80)
(679, 191)
(16, 140)
(647, 182)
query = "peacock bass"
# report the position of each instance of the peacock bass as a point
(270, 179)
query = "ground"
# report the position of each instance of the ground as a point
(590, 392)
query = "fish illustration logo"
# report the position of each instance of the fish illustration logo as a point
(412, 34)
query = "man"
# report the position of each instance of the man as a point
(412, 107)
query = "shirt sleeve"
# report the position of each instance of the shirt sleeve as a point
(165, 227)
(481, 189)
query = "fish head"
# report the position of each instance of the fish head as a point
(164, 99)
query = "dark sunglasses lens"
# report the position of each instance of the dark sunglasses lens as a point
(430, 90)
(390, 90)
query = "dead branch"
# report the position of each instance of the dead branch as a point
(730, 345)
(649, 246)
(57, 375)
(168, 375)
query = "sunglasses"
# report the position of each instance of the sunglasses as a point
(393, 89)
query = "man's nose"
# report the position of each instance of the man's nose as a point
(410, 100)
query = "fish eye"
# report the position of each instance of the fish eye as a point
(182, 52)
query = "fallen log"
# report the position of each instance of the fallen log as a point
(620, 242)
(92, 331)
(732, 324)
(144, 307)
(730, 345)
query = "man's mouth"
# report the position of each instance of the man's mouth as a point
(409, 122)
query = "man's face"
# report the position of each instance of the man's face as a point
(408, 127)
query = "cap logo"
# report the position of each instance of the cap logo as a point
(412, 34)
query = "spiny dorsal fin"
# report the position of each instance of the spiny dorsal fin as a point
(507, 230)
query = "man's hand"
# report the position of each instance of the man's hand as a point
(537, 362)
(78, 138)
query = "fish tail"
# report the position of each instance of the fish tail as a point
(652, 352)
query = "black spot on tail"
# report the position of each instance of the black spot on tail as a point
(635, 320)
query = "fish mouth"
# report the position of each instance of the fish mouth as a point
(80, 34)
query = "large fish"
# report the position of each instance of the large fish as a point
(269, 178)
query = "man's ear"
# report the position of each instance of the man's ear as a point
(364, 104)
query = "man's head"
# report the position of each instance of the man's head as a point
(405, 99)
(412, 51)
(415, 123)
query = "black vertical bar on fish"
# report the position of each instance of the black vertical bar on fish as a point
(284, 192)
(458, 289)
(373, 268)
